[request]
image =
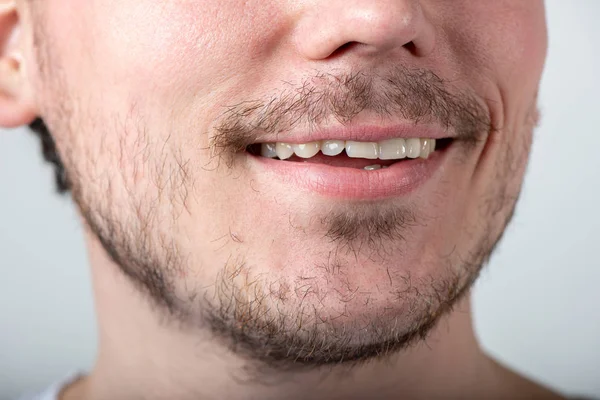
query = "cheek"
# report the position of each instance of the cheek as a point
(519, 61)
(180, 49)
(161, 62)
(501, 46)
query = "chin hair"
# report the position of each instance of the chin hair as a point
(252, 325)
(364, 229)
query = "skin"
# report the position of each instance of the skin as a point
(214, 280)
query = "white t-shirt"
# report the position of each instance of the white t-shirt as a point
(52, 392)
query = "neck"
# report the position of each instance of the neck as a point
(142, 355)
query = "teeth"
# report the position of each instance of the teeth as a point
(307, 150)
(393, 149)
(425, 148)
(268, 150)
(332, 147)
(368, 150)
(372, 167)
(284, 151)
(413, 148)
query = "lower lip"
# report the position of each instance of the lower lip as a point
(399, 179)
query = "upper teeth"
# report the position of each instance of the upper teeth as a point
(391, 149)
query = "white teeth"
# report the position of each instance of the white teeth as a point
(368, 150)
(413, 148)
(372, 167)
(268, 150)
(392, 149)
(332, 147)
(284, 151)
(307, 150)
(425, 148)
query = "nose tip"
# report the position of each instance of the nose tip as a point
(375, 25)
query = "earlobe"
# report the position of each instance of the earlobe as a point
(16, 105)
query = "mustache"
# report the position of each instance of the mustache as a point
(416, 95)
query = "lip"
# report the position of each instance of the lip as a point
(400, 179)
(361, 133)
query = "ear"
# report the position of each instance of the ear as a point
(16, 100)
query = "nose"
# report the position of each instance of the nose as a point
(376, 26)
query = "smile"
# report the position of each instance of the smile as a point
(354, 169)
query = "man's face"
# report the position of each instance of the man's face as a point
(160, 108)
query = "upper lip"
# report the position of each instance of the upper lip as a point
(360, 133)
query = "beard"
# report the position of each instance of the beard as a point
(306, 322)
(297, 321)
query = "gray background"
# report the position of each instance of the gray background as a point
(537, 305)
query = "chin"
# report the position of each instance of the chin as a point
(331, 307)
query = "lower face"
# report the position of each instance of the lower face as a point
(351, 255)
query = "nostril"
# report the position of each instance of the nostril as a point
(344, 48)
(410, 46)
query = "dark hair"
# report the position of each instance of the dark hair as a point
(51, 155)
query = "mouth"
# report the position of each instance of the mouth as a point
(353, 169)
(369, 156)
